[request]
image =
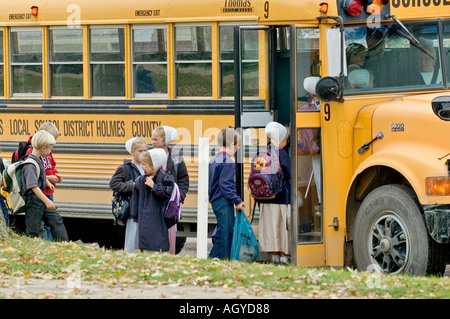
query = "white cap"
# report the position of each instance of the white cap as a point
(129, 143)
(309, 84)
(276, 131)
(158, 156)
(170, 133)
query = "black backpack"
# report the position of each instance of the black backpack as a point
(21, 152)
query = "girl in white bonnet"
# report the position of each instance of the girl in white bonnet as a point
(162, 136)
(275, 216)
(151, 192)
(122, 181)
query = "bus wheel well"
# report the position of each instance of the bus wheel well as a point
(365, 182)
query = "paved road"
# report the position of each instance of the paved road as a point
(190, 247)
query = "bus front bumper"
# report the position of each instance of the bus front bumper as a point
(437, 219)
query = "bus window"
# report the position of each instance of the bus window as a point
(386, 58)
(193, 60)
(107, 58)
(149, 60)
(66, 61)
(250, 62)
(309, 162)
(26, 61)
(2, 93)
(446, 51)
(307, 63)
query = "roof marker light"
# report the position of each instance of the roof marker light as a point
(375, 6)
(34, 10)
(353, 8)
(323, 7)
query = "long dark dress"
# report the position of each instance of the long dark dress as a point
(149, 205)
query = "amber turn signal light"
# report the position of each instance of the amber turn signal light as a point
(438, 186)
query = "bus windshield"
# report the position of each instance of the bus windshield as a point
(384, 58)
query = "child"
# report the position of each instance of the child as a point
(357, 76)
(162, 136)
(51, 172)
(151, 193)
(3, 207)
(39, 207)
(123, 182)
(275, 215)
(222, 192)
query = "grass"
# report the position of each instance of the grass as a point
(35, 258)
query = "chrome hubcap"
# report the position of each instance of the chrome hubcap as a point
(388, 243)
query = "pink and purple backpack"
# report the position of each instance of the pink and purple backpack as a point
(266, 176)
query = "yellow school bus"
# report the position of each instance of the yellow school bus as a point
(363, 86)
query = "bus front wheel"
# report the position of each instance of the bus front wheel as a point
(390, 233)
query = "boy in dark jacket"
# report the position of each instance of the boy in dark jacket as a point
(151, 193)
(222, 191)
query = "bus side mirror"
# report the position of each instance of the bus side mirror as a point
(329, 89)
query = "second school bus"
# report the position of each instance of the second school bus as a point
(366, 80)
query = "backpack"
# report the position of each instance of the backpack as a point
(120, 204)
(3, 165)
(266, 176)
(172, 213)
(12, 185)
(21, 152)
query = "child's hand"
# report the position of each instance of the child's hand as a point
(50, 185)
(59, 178)
(53, 178)
(149, 181)
(240, 206)
(49, 204)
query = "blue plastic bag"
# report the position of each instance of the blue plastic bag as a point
(244, 245)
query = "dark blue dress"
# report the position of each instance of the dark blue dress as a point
(148, 209)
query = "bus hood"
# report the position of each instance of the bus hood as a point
(416, 138)
(415, 141)
(414, 123)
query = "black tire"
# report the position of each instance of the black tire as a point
(390, 233)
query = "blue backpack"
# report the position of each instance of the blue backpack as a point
(120, 204)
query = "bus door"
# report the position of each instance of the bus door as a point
(293, 68)
(249, 115)
(306, 153)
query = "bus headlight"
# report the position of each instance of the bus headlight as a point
(438, 186)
